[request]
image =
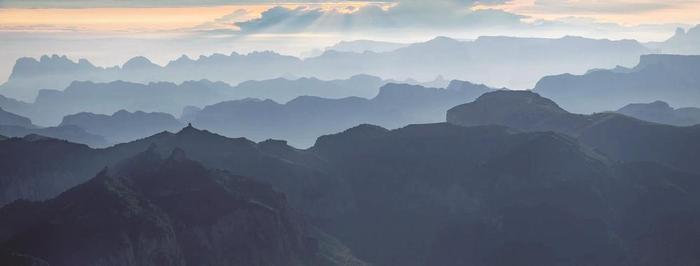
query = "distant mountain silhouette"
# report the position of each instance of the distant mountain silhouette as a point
(106, 98)
(13, 125)
(303, 119)
(439, 194)
(57, 72)
(683, 42)
(15, 106)
(617, 136)
(284, 90)
(669, 78)
(69, 133)
(173, 211)
(123, 126)
(10, 119)
(662, 112)
(497, 61)
(361, 46)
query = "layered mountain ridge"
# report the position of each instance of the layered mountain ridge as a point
(163, 211)
(669, 78)
(618, 136)
(484, 60)
(429, 189)
(662, 112)
(305, 118)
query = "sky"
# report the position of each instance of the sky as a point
(165, 29)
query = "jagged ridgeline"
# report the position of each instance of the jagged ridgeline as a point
(344, 158)
(391, 105)
(484, 60)
(431, 194)
(149, 210)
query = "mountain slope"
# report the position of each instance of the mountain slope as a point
(439, 194)
(431, 194)
(10, 119)
(618, 136)
(41, 168)
(153, 211)
(297, 174)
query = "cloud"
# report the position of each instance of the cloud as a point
(224, 22)
(574, 6)
(606, 7)
(415, 14)
(135, 3)
(282, 19)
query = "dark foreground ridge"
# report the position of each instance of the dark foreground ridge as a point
(173, 211)
(430, 194)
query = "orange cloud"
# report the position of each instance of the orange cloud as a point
(134, 19)
(623, 12)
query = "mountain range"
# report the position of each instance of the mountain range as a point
(297, 164)
(682, 42)
(106, 98)
(123, 126)
(496, 61)
(305, 118)
(669, 78)
(169, 211)
(665, 77)
(361, 46)
(393, 105)
(13, 125)
(617, 136)
(440, 194)
(39, 169)
(430, 194)
(661, 112)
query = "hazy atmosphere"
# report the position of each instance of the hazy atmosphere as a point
(350, 133)
(164, 30)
